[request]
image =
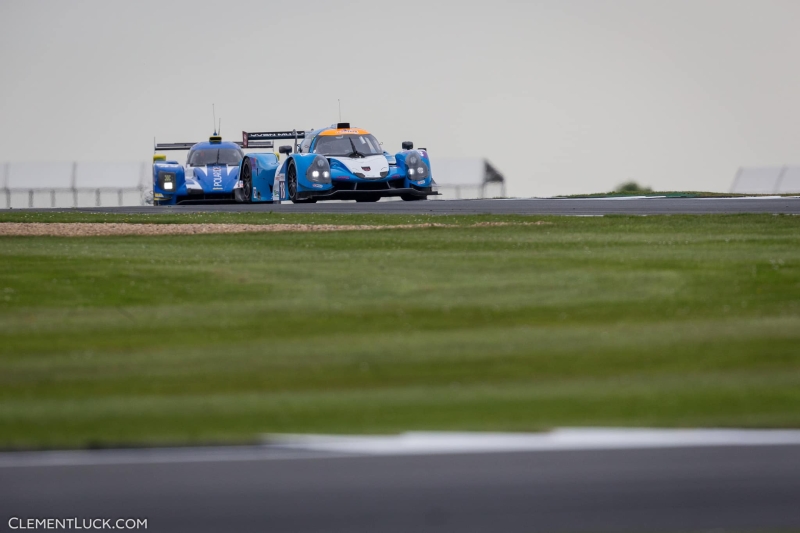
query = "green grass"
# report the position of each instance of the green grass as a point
(614, 321)
(264, 217)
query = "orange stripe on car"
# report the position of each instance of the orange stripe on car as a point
(347, 131)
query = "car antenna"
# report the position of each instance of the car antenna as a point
(219, 130)
(214, 113)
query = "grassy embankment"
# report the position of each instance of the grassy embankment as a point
(645, 321)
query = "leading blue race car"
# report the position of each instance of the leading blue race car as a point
(211, 173)
(334, 163)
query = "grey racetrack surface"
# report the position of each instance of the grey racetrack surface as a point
(537, 206)
(679, 489)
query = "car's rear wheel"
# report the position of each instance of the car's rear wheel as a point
(368, 198)
(247, 182)
(412, 197)
(291, 183)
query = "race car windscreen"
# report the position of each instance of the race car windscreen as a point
(347, 145)
(215, 156)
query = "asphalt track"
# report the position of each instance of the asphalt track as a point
(532, 206)
(255, 489)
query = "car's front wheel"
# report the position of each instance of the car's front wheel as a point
(291, 183)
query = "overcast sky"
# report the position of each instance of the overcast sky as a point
(563, 96)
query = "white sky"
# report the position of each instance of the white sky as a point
(563, 96)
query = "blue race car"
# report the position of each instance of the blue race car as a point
(211, 173)
(335, 163)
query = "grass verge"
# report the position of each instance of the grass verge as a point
(638, 321)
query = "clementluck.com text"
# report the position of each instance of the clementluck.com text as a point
(17, 523)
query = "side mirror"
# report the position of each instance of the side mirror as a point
(408, 145)
(285, 150)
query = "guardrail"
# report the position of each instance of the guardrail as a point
(767, 180)
(467, 191)
(75, 193)
(86, 184)
(37, 191)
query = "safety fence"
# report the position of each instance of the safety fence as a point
(98, 184)
(74, 184)
(449, 191)
(767, 180)
(467, 177)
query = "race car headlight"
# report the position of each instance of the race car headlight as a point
(166, 180)
(417, 169)
(319, 171)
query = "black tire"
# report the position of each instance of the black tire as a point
(369, 198)
(247, 182)
(291, 183)
(412, 198)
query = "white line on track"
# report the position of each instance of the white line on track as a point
(423, 443)
(292, 447)
(623, 198)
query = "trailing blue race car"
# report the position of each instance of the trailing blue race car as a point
(335, 163)
(211, 173)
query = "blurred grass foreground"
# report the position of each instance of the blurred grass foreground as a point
(623, 321)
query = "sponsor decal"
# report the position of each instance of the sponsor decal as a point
(269, 135)
(216, 172)
(316, 185)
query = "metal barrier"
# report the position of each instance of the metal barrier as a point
(767, 180)
(466, 177)
(75, 191)
(31, 194)
(467, 191)
(88, 184)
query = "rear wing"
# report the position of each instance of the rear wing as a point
(264, 139)
(173, 146)
(188, 146)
